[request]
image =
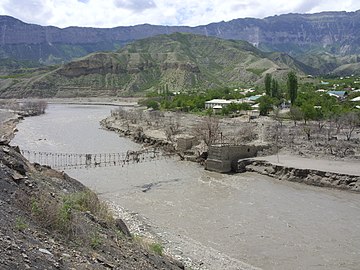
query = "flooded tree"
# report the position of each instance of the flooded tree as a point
(172, 128)
(208, 130)
(34, 107)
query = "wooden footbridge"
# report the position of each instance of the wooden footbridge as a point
(75, 160)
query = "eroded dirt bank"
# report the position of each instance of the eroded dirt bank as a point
(308, 176)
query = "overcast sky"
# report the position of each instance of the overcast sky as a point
(110, 13)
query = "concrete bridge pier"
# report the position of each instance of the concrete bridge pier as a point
(224, 158)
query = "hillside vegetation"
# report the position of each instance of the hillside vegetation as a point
(177, 62)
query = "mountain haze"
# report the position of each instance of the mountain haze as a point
(334, 34)
(177, 62)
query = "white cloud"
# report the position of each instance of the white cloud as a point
(110, 13)
(34, 11)
(135, 5)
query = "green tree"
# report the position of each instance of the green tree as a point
(309, 111)
(152, 104)
(292, 85)
(266, 103)
(275, 88)
(268, 84)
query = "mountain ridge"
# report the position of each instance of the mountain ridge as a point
(296, 34)
(178, 62)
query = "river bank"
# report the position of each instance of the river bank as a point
(324, 176)
(245, 217)
(64, 122)
(111, 101)
(8, 122)
(152, 130)
(35, 234)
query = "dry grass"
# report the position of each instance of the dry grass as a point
(149, 244)
(65, 214)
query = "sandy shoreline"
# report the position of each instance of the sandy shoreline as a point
(126, 102)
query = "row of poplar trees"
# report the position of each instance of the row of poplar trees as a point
(272, 86)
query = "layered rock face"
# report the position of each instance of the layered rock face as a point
(177, 62)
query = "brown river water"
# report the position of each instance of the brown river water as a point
(240, 221)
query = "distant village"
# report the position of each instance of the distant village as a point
(253, 100)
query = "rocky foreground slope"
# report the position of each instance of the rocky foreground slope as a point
(51, 221)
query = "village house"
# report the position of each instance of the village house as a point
(222, 103)
(338, 94)
(218, 104)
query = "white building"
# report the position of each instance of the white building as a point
(221, 103)
(218, 103)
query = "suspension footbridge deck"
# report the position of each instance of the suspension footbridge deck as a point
(91, 160)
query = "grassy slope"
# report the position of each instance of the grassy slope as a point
(178, 62)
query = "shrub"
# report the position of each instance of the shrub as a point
(35, 208)
(95, 240)
(20, 224)
(148, 244)
(64, 214)
(88, 201)
(156, 248)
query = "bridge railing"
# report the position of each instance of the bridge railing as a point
(87, 160)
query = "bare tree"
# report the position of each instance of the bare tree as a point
(245, 134)
(351, 120)
(277, 115)
(308, 130)
(278, 130)
(296, 114)
(119, 113)
(338, 123)
(42, 105)
(34, 107)
(156, 117)
(208, 130)
(330, 129)
(340, 149)
(172, 128)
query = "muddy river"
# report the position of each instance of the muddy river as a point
(242, 221)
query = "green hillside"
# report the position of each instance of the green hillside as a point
(179, 62)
